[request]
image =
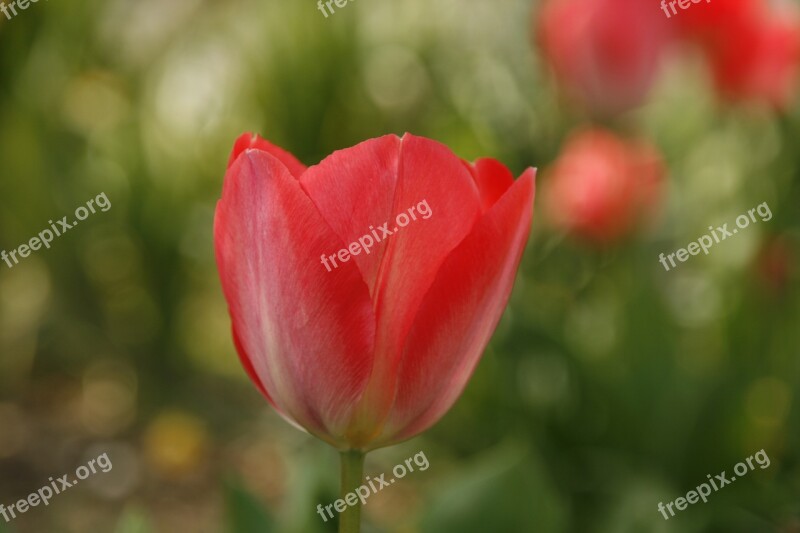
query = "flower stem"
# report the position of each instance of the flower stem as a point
(352, 474)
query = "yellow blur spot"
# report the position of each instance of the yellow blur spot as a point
(175, 444)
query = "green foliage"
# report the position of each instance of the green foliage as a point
(134, 520)
(504, 491)
(246, 514)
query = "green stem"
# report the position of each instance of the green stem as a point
(352, 475)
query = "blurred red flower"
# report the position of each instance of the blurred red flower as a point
(377, 350)
(711, 23)
(760, 63)
(607, 53)
(753, 48)
(776, 264)
(601, 186)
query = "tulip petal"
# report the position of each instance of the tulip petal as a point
(359, 189)
(459, 314)
(249, 140)
(284, 304)
(492, 178)
(371, 184)
(354, 191)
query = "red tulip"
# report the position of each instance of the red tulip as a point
(710, 24)
(753, 50)
(376, 349)
(601, 186)
(607, 53)
(760, 63)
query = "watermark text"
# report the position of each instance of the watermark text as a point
(365, 243)
(374, 485)
(719, 234)
(703, 491)
(56, 486)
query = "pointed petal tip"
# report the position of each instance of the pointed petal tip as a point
(252, 141)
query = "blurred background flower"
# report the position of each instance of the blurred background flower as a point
(602, 186)
(607, 53)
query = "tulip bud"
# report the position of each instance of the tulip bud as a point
(752, 49)
(606, 53)
(600, 186)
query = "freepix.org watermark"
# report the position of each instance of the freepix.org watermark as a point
(46, 236)
(56, 486)
(366, 242)
(703, 491)
(12, 6)
(339, 3)
(375, 484)
(720, 234)
(683, 4)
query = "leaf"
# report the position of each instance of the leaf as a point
(246, 513)
(133, 521)
(505, 492)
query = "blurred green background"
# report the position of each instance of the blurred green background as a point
(610, 385)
